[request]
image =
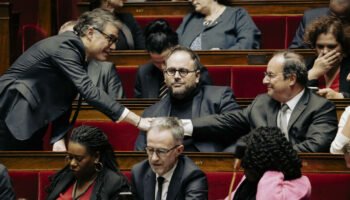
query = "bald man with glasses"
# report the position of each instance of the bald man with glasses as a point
(167, 174)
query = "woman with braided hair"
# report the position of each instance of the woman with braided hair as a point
(271, 168)
(92, 170)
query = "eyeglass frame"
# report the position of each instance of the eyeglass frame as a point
(157, 151)
(186, 71)
(110, 38)
(271, 75)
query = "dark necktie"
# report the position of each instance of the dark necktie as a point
(283, 123)
(160, 184)
(163, 90)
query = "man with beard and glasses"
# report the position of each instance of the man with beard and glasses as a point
(187, 99)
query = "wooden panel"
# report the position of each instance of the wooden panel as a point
(46, 9)
(88, 113)
(5, 49)
(219, 162)
(207, 58)
(254, 7)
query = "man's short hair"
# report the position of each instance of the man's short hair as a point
(97, 18)
(294, 64)
(65, 25)
(193, 55)
(172, 124)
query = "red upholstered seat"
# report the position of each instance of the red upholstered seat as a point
(173, 21)
(128, 77)
(121, 135)
(31, 34)
(292, 23)
(247, 81)
(44, 182)
(219, 183)
(272, 31)
(25, 184)
(220, 75)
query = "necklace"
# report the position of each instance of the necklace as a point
(209, 20)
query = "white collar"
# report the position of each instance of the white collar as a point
(293, 102)
(167, 176)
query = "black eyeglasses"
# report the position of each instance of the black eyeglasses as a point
(160, 152)
(183, 72)
(110, 38)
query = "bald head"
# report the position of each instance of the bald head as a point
(340, 9)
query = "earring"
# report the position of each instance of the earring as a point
(98, 166)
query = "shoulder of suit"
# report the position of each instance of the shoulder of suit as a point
(140, 166)
(146, 67)
(152, 111)
(317, 11)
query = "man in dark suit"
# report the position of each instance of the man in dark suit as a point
(41, 84)
(6, 190)
(160, 39)
(337, 8)
(103, 74)
(187, 99)
(166, 174)
(308, 120)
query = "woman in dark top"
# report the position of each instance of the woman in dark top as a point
(131, 35)
(329, 70)
(92, 171)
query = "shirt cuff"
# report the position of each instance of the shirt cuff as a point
(188, 127)
(338, 144)
(124, 114)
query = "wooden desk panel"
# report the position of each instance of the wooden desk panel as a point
(181, 8)
(207, 58)
(219, 162)
(88, 113)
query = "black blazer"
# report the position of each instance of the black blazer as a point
(308, 17)
(311, 127)
(48, 76)
(187, 182)
(105, 76)
(6, 190)
(149, 78)
(113, 184)
(344, 85)
(209, 100)
(136, 32)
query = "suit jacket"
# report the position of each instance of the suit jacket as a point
(209, 100)
(187, 182)
(311, 127)
(113, 184)
(6, 190)
(47, 76)
(136, 33)
(308, 17)
(234, 29)
(344, 85)
(104, 75)
(149, 78)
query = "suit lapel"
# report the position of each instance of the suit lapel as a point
(94, 71)
(299, 108)
(272, 112)
(62, 186)
(149, 183)
(154, 79)
(175, 182)
(196, 102)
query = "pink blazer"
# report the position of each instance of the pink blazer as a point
(273, 187)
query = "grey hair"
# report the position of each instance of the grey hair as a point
(65, 25)
(294, 64)
(97, 18)
(189, 51)
(173, 124)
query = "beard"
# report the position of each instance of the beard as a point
(181, 93)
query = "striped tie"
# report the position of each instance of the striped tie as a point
(163, 91)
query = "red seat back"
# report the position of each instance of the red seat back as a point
(128, 78)
(25, 184)
(31, 34)
(221, 75)
(273, 30)
(292, 24)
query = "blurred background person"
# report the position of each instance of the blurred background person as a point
(215, 25)
(6, 190)
(130, 35)
(92, 170)
(103, 74)
(160, 39)
(337, 8)
(271, 168)
(329, 70)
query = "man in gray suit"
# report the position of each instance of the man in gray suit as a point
(308, 120)
(337, 8)
(167, 174)
(186, 98)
